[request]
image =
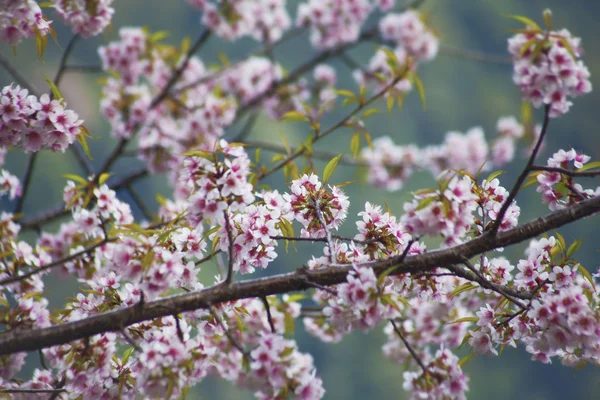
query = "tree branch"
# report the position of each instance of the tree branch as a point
(523, 176)
(34, 339)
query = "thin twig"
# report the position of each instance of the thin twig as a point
(269, 316)
(20, 79)
(487, 284)
(74, 256)
(334, 127)
(137, 199)
(179, 71)
(517, 186)
(567, 172)
(229, 248)
(473, 55)
(232, 340)
(33, 391)
(60, 210)
(130, 340)
(26, 182)
(321, 218)
(410, 349)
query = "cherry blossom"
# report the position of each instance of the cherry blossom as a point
(548, 69)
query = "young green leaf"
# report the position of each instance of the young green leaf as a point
(330, 167)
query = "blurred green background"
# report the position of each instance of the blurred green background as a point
(460, 93)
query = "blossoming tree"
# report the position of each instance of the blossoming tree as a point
(145, 324)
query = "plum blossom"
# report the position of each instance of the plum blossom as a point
(33, 124)
(550, 73)
(21, 19)
(87, 18)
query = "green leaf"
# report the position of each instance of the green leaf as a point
(288, 351)
(390, 103)
(199, 153)
(527, 21)
(560, 241)
(157, 36)
(464, 319)
(384, 275)
(355, 144)
(55, 91)
(586, 274)
(466, 359)
(370, 112)
(547, 18)
(391, 58)
(568, 46)
(368, 139)
(526, 113)
(103, 178)
(40, 44)
(215, 243)
(81, 138)
(257, 154)
(574, 247)
(294, 116)
(425, 202)
(289, 324)
(345, 93)
(527, 45)
(592, 165)
(330, 167)
(223, 58)
(494, 175)
(420, 90)
(75, 178)
(463, 288)
(126, 354)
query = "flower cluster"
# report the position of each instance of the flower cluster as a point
(491, 198)
(447, 212)
(33, 124)
(408, 31)
(195, 118)
(379, 73)
(313, 206)
(21, 19)
(254, 231)
(333, 23)
(88, 18)
(559, 190)
(385, 237)
(390, 165)
(548, 70)
(263, 20)
(214, 186)
(444, 378)
(9, 184)
(361, 303)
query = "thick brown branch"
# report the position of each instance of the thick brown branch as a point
(29, 340)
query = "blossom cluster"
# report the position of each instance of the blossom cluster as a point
(263, 20)
(390, 165)
(197, 118)
(315, 208)
(408, 31)
(413, 42)
(33, 124)
(87, 18)
(558, 189)
(337, 22)
(548, 68)
(21, 19)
